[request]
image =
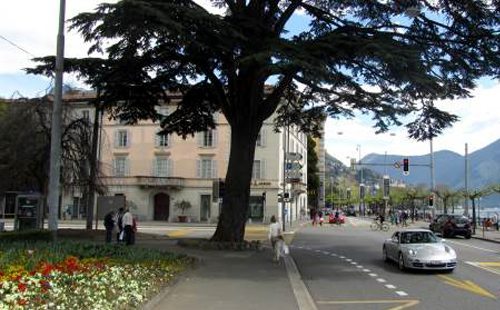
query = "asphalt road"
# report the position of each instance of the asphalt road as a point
(343, 269)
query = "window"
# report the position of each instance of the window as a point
(120, 166)
(258, 170)
(162, 140)
(122, 138)
(162, 167)
(207, 168)
(207, 138)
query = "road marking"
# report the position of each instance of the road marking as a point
(404, 303)
(467, 285)
(349, 260)
(390, 286)
(367, 270)
(342, 257)
(401, 293)
(302, 295)
(359, 266)
(373, 275)
(179, 233)
(381, 280)
(486, 266)
(472, 246)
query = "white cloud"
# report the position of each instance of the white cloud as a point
(479, 125)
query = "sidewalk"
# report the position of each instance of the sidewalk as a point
(492, 234)
(243, 280)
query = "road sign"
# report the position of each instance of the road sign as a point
(293, 156)
(293, 166)
(397, 165)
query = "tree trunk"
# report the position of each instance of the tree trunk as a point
(234, 213)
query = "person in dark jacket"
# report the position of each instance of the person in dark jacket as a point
(109, 224)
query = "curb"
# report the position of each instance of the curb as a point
(486, 239)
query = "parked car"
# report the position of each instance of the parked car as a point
(333, 220)
(450, 225)
(419, 249)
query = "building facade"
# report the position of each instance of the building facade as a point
(154, 172)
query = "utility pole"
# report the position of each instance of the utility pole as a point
(55, 140)
(432, 174)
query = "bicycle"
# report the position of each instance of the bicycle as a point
(376, 225)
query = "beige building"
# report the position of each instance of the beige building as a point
(155, 171)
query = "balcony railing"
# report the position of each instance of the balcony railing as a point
(145, 181)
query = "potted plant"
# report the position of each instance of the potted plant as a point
(182, 205)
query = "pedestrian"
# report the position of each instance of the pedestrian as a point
(119, 224)
(109, 224)
(128, 227)
(274, 235)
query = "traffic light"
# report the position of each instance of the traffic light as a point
(406, 166)
(222, 188)
(431, 200)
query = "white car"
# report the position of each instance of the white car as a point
(419, 249)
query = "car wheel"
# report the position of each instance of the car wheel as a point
(401, 262)
(384, 254)
(468, 236)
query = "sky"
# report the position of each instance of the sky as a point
(30, 30)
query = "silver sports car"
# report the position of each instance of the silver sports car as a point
(419, 249)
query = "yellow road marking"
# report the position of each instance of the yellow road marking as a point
(467, 285)
(179, 233)
(489, 264)
(404, 303)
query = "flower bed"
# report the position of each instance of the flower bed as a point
(82, 276)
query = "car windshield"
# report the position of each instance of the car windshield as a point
(418, 237)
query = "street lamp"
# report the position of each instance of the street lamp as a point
(361, 197)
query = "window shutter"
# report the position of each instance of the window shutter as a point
(214, 134)
(262, 169)
(127, 167)
(129, 138)
(114, 167)
(170, 168)
(214, 169)
(198, 168)
(116, 140)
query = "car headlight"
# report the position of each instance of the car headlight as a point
(412, 252)
(449, 250)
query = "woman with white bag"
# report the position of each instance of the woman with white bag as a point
(276, 239)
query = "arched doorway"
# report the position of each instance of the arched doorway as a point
(161, 207)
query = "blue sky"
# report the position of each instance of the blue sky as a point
(32, 26)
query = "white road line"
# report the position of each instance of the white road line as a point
(333, 254)
(472, 246)
(367, 270)
(359, 266)
(349, 260)
(342, 257)
(401, 293)
(381, 280)
(478, 265)
(373, 275)
(326, 253)
(354, 263)
(390, 286)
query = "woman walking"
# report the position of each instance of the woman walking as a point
(274, 235)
